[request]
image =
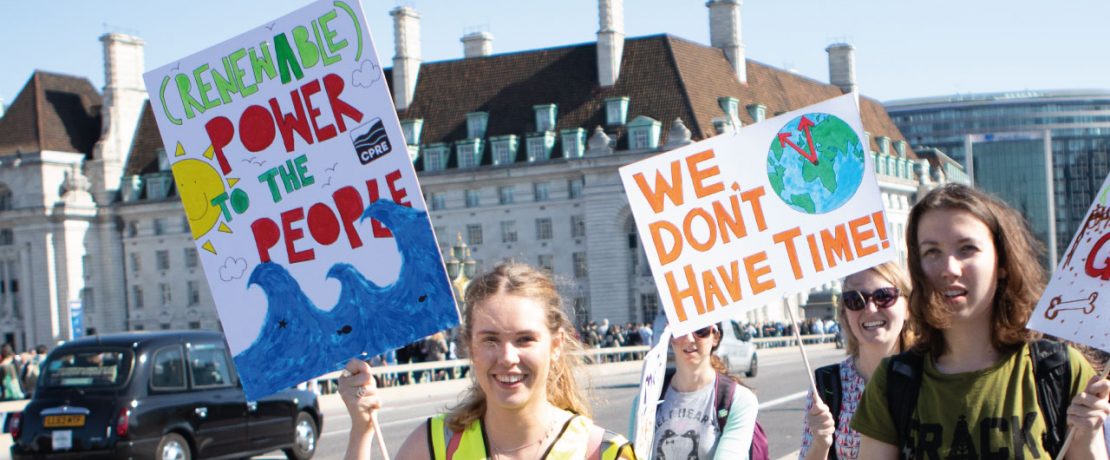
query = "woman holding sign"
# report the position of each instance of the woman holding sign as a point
(873, 309)
(703, 412)
(524, 403)
(978, 384)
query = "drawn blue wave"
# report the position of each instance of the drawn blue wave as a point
(300, 341)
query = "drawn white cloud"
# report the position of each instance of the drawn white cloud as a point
(366, 75)
(233, 268)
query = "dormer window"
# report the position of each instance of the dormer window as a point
(412, 129)
(730, 106)
(435, 156)
(758, 112)
(469, 152)
(504, 149)
(643, 133)
(867, 140)
(574, 142)
(476, 124)
(158, 185)
(539, 146)
(545, 117)
(884, 144)
(900, 148)
(616, 111)
(163, 160)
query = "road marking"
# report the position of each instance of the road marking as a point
(384, 425)
(782, 400)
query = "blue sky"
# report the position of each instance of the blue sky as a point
(903, 49)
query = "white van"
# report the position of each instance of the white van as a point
(736, 349)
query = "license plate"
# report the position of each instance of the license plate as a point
(62, 421)
(63, 439)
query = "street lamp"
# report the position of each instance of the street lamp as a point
(460, 267)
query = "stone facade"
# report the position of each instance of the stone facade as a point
(89, 212)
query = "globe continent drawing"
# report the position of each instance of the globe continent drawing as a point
(817, 178)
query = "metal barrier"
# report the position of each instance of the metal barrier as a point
(458, 368)
(789, 340)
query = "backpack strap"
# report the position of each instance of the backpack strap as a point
(903, 385)
(725, 390)
(1052, 374)
(830, 390)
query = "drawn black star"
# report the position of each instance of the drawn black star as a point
(282, 324)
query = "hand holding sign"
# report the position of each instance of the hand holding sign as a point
(358, 389)
(1071, 307)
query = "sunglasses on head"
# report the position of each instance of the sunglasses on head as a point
(857, 300)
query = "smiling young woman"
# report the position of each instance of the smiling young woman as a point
(523, 402)
(873, 310)
(979, 391)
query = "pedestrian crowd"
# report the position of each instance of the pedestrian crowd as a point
(19, 372)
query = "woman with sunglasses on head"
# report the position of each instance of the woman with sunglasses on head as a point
(873, 310)
(978, 384)
(523, 402)
(688, 422)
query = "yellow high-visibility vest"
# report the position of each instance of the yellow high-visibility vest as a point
(573, 442)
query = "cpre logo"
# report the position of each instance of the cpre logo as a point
(371, 141)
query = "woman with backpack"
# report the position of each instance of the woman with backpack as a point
(523, 403)
(874, 312)
(978, 384)
(704, 412)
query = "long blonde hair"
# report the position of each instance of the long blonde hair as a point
(524, 281)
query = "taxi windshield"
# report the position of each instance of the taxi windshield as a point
(87, 368)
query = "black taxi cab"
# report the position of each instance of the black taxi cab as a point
(165, 395)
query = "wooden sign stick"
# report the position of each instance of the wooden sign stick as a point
(798, 337)
(378, 434)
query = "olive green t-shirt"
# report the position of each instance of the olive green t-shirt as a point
(989, 413)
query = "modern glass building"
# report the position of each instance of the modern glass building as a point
(1044, 152)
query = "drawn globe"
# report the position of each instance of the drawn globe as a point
(820, 178)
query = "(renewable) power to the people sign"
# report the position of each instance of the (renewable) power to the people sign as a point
(301, 196)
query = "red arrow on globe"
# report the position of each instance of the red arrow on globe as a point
(784, 140)
(804, 125)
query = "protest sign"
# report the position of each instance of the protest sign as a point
(301, 196)
(651, 388)
(739, 220)
(1073, 302)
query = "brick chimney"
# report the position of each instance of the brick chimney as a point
(610, 41)
(724, 33)
(406, 58)
(477, 44)
(842, 66)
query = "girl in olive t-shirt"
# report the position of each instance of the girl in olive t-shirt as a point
(976, 279)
